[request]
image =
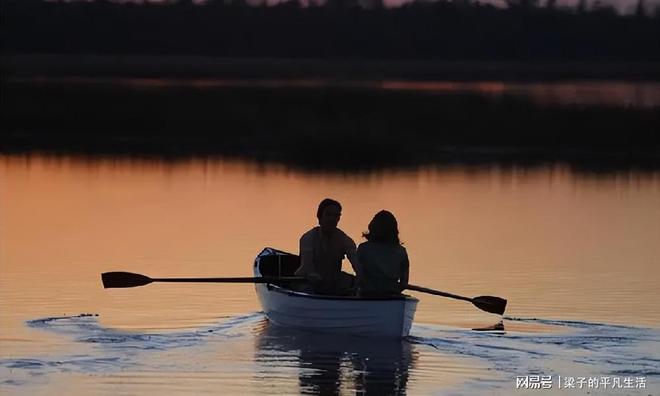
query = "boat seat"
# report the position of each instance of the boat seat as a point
(279, 265)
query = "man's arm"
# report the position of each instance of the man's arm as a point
(351, 255)
(306, 253)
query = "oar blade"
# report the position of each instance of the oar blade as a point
(123, 279)
(491, 304)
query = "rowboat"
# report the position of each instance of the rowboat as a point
(386, 317)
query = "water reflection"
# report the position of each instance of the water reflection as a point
(328, 364)
(542, 237)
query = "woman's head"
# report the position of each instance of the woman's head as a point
(383, 228)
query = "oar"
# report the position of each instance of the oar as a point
(491, 304)
(129, 279)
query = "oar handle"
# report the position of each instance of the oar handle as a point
(437, 292)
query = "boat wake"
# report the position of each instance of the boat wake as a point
(584, 349)
(85, 328)
(100, 349)
(245, 349)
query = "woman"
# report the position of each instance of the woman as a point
(383, 261)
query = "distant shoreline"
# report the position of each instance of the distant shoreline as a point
(188, 66)
(578, 159)
(326, 128)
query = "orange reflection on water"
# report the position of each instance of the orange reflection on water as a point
(556, 244)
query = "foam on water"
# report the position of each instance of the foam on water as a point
(114, 349)
(585, 349)
(582, 349)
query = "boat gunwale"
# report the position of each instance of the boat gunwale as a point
(292, 293)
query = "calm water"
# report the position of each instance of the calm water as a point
(577, 256)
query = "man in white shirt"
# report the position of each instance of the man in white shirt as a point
(322, 250)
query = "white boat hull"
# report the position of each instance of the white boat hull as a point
(379, 317)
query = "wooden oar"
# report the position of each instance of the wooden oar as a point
(129, 279)
(491, 304)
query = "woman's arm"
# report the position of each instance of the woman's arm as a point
(353, 256)
(405, 271)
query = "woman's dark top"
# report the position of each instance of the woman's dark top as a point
(383, 266)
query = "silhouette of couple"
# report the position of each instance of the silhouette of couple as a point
(380, 264)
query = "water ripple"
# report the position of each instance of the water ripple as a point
(602, 348)
(313, 363)
(115, 349)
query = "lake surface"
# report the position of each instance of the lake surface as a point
(576, 254)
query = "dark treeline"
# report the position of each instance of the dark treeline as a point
(438, 30)
(329, 128)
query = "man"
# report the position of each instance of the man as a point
(322, 250)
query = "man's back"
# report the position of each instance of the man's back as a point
(322, 250)
(323, 254)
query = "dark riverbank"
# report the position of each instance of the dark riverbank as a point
(324, 128)
(191, 66)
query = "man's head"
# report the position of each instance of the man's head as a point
(328, 213)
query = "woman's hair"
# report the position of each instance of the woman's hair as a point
(324, 204)
(383, 228)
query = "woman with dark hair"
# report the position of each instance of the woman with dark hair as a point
(383, 261)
